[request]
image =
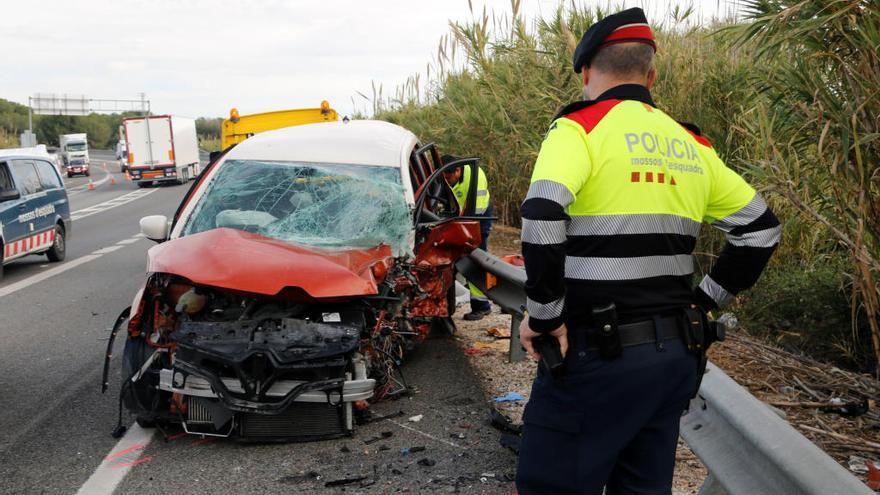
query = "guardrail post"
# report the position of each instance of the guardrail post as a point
(517, 353)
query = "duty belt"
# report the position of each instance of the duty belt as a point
(640, 332)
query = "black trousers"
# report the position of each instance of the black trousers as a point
(609, 425)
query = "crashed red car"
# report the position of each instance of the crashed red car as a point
(294, 277)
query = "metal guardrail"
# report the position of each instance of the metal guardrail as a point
(505, 287)
(748, 447)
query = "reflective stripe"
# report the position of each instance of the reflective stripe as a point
(745, 215)
(482, 192)
(554, 191)
(545, 311)
(633, 224)
(480, 211)
(762, 238)
(716, 292)
(543, 231)
(628, 268)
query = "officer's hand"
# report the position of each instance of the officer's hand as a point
(526, 335)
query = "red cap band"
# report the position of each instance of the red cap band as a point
(636, 33)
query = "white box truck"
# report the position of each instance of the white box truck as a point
(74, 150)
(161, 148)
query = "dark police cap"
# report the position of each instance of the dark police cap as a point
(627, 26)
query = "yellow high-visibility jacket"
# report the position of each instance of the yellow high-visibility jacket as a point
(616, 200)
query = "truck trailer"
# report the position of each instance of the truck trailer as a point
(74, 150)
(161, 148)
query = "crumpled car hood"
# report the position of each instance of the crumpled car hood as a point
(242, 261)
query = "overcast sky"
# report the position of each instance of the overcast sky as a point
(201, 57)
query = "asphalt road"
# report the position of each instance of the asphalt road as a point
(55, 424)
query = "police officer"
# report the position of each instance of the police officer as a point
(617, 197)
(459, 178)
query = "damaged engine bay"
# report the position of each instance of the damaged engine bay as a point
(289, 367)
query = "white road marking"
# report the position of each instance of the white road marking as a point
(126, 454)
(69, 265)
(113, 203)
(108, 249)
(129, 241)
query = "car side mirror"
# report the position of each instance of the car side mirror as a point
(9, 194)
(155, 227)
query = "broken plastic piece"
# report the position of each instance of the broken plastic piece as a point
(345, 481)
(502, 423)
(411, 450)
(497, 345)
(510, 397)
(416, 418)
(471, 351)
(499, 333)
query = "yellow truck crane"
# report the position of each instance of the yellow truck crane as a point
(237, 127)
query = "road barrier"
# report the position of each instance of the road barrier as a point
(748, 448)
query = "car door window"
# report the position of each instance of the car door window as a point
(27, 178)
(48, 177)
(5, 178)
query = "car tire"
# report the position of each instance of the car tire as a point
(88, 174)
(145, 422)
(59, 248)
(144, 184)
(69, 175)
(140, 395)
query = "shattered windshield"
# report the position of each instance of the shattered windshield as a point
(316, 204)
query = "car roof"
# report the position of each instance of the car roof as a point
(358, 142)
(25, 153)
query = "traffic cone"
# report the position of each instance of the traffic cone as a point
(91, 186)
(127, 177)
(112, 180)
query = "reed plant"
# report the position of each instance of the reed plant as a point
(787, 91)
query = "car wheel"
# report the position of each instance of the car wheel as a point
(145, 422)
(59, 247)
(69, 175)
(88, 174)
(140, 396)
(144, 184)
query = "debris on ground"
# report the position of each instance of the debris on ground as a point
(495, 345)
(345, 481)
(502, 423)
(499, 333)
(510, 397)
(426, 462)
(367, 417)
(416, 418)
(382, 436)
(306, 477)
(412, 450)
